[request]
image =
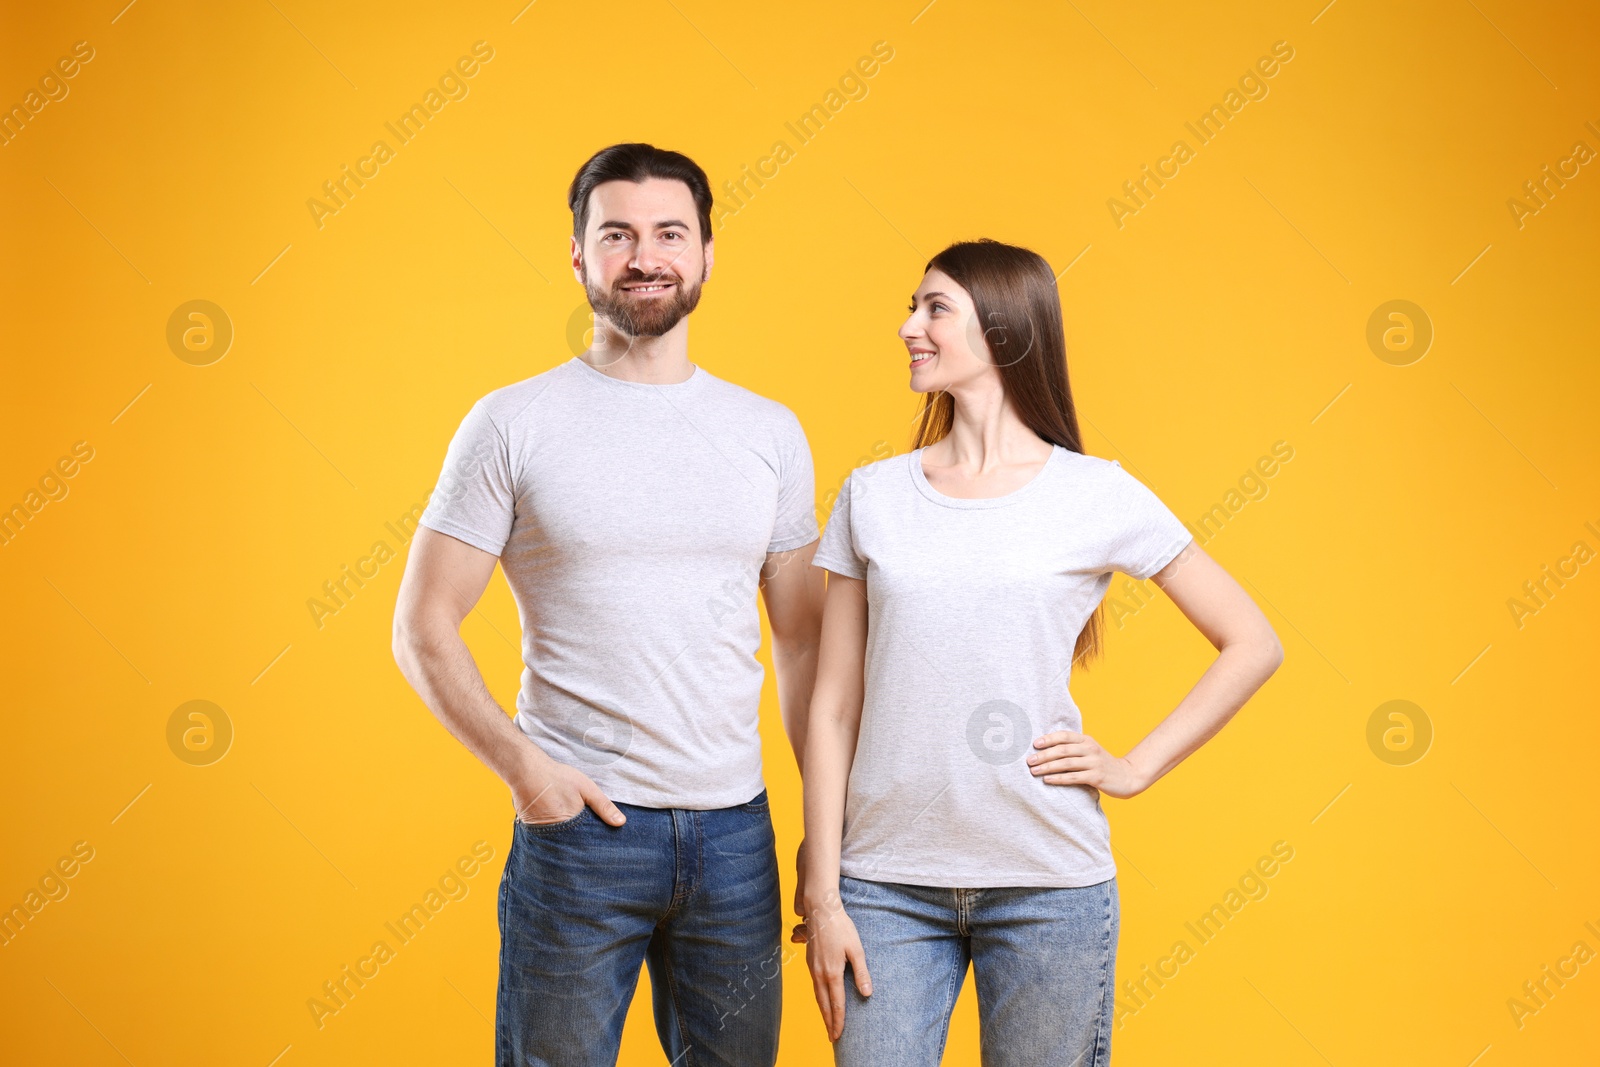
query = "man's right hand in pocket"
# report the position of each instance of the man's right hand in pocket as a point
(549, 792)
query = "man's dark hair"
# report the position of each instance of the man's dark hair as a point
(635, 162)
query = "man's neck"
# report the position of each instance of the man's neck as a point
(660, 360)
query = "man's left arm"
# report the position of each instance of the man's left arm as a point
(792, 590)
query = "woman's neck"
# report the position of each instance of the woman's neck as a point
(986, 433)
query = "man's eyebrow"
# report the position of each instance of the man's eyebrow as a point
(667, 224)
(929, 296)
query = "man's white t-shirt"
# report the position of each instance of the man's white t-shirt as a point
(974, 610)
(631, 521)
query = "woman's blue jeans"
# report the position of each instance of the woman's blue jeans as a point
(1044, 961)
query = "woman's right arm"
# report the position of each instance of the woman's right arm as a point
(831, 732)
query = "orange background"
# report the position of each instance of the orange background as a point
(1228, 313)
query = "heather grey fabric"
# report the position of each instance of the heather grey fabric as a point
(975, 606)
(631, 521)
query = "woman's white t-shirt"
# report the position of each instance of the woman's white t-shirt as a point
(975, 606)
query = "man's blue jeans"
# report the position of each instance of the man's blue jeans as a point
(1044, 961)
(694, 894)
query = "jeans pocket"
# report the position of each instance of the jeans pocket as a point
(542, 828)
(757, 802)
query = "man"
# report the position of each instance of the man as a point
(636, 504)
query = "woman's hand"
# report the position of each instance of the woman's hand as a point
(1066, 757)
(832, 942)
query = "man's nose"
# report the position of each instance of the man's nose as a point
(650, 261)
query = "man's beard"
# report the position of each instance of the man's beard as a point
(641, 316)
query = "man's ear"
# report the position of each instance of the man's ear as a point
(578, 259)
(711, 255)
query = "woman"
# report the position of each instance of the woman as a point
(966, 579)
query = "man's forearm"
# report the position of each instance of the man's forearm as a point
(795, 664)
(441, 669)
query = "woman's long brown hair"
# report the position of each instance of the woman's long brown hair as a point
(1014, 293)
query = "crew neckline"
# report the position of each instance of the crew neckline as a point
(696, 376)
(926, 487)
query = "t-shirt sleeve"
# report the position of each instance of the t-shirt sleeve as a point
(474, 500)
(796, 524)
(1148, 535)
(837, 552)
